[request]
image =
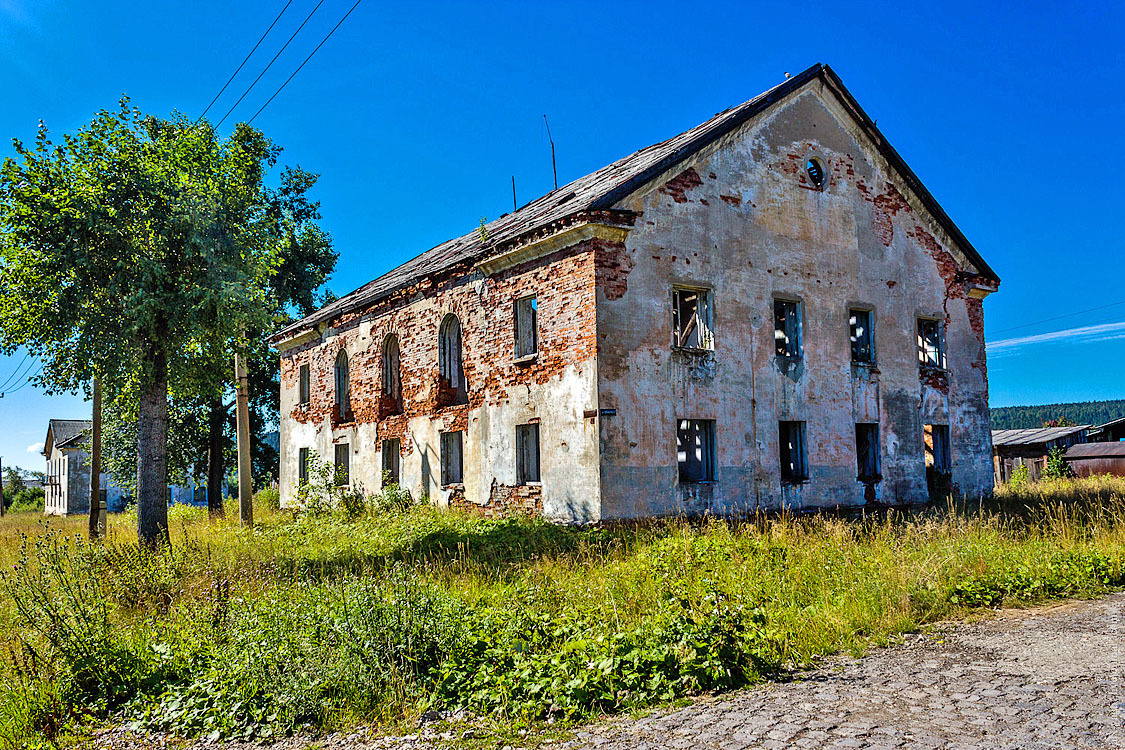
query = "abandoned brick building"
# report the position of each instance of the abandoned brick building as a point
(769, 309)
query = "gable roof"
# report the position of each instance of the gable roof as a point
(1035, 435)
(64, 432)
(600, 191)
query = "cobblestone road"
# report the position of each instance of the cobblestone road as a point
(1048, 678)
(1045, 678)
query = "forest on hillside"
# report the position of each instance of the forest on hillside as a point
(1082, 412)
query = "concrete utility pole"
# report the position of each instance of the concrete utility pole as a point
(97, 511)
(245, 490)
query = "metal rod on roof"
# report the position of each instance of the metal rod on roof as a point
(514, 193)
(554, 169)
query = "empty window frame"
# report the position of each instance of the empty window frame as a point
(303, 387)
(787, 328)
(302, 467)
(931, 343)
(527, 453)
(450, 364)
(692, 319)
(452, 460)
(392, 382)
(343, 386)
(793, 452)
(938, 454)
(392, 452)
(869, 465)
(695, 450)
(342, 464)
(861, 324)
(527, 327)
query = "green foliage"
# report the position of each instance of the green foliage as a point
(1057, 467)
(1020, 478)
(269, 498)
(27, 499)
(1083, 412)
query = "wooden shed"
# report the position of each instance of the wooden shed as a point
(1014, 448)
(1090, 459)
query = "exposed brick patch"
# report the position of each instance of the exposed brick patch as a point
(936, 379)
(891, 283)
(678, 186)
(503, 500)
(613, 264)
(733, 200)
(975, 309)
(885, 206)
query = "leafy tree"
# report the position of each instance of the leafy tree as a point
(1059, 422)
(140, 250)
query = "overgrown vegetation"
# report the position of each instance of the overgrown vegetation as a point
(381, 612)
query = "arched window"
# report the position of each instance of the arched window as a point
(343, 386)
(392, 385)
(449, 357)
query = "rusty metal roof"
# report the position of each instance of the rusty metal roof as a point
(1095, 450)
(603, 189)
(1035, 435)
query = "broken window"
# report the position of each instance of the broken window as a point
(862, 335)
(787, 328)
(691, 319)
(868, 458)
(527, 453)
(815, 170)
(392, 384)
(303, 388)
(939, 461)
(302, 467)
(392, 450)
(343, 386)
(931, 343)
(342, 465)
(794, 454)
(452, 463)
(450, 364)
(695, 450)
(527, 335)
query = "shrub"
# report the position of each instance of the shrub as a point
(1019, 478)
(269, 498)
(1057, 467)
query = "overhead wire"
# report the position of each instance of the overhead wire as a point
(298, 70)
(271, 62)
(15, 372)
(23, 384)
(245, 60)
(1058, 317)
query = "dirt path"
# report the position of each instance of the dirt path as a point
(1046, 678)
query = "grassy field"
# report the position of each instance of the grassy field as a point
(310, 623)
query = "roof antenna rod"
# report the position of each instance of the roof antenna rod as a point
(514, 207)
(552, 140)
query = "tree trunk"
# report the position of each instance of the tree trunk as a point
(152, 454)
(216, 419)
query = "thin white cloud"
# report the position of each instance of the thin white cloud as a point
(35, 448)
(1081, 335)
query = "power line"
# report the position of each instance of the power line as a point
(271, 62)
(19, 376)
(245, 59)
(1058, 317)
(22, 385)
(298, 70)
(13, 376)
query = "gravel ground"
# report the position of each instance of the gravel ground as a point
(1052, 677)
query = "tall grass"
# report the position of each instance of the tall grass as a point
(325, 621)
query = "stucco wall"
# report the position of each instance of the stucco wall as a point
(744, 220)
(557, 388)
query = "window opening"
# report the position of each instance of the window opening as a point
(303, 467)
(862, 336)
(527, 453)
(939, 460)
(527, 335)
(343, 464)
(868, 458)
(794, 454)
(452, 461)
(691, 319)
(787, 328)
(303, 395)
(450, 363)
(392, 451)
(815, 171)
(931, 343)
(343, 386)
(392, 384)
(695, 450)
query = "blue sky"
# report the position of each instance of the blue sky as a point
(418, 114)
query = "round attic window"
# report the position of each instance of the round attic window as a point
(815, 170)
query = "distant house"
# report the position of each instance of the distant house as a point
(1110, 432)
(1091, 459)
(67, 487)
(1012, 449)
